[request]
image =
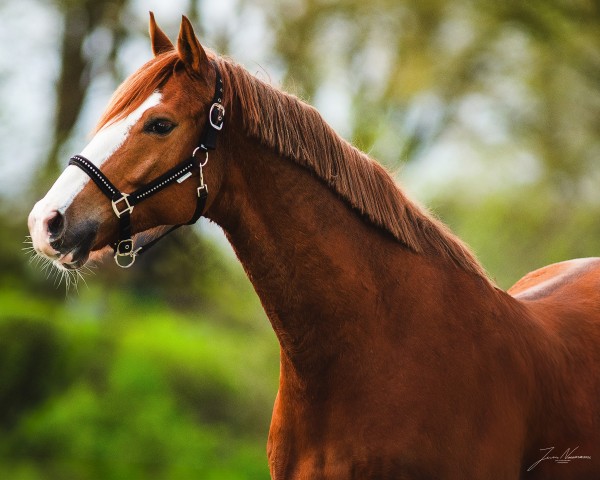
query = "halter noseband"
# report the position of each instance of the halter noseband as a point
(123, 203)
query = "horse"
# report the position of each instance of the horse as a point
(400, 358)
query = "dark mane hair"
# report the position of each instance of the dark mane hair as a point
(297, 131)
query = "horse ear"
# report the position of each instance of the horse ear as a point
(190, 51)
(160, 42)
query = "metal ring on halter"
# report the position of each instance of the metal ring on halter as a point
(203, 164)
(125, 249)
(132, 257)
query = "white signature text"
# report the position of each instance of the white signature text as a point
(566, 457)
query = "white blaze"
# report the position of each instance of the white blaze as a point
(106, 142)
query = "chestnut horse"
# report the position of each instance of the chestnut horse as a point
(400, 359)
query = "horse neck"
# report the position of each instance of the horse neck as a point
(327, 279)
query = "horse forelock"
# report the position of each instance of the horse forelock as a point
(297, 131)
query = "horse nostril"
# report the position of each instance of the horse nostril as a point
(56, 225)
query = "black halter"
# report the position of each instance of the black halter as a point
(123, 203)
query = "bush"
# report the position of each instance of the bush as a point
(104, 387)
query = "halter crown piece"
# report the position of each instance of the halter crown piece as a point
(123, 203)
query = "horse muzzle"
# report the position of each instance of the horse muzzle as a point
(54, 237)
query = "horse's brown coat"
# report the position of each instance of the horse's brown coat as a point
(399, 358)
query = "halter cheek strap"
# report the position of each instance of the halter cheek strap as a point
(123, 203)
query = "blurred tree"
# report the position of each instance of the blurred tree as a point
(82, 18)
(408, 66)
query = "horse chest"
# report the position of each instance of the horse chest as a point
(363, 462)
(385, 431)
(335, 462)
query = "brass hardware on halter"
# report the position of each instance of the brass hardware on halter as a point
(202, 190)
(217, 124)
(128, 208)
(202, 164)
(125, 249)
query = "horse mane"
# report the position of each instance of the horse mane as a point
(297, 131)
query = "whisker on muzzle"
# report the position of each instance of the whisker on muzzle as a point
(71, 278)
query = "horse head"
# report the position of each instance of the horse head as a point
(145, 148)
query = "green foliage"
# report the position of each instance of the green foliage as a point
(127, 379)
(518, 231)
(140, 393)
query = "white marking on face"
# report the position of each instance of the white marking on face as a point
(106, 142)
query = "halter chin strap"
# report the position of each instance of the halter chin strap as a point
(123, 203)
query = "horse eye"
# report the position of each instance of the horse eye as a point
(159, 126)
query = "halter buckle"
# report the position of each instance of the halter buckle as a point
(115, 205)
(125, 249)
(216, 123)
(202, 191)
